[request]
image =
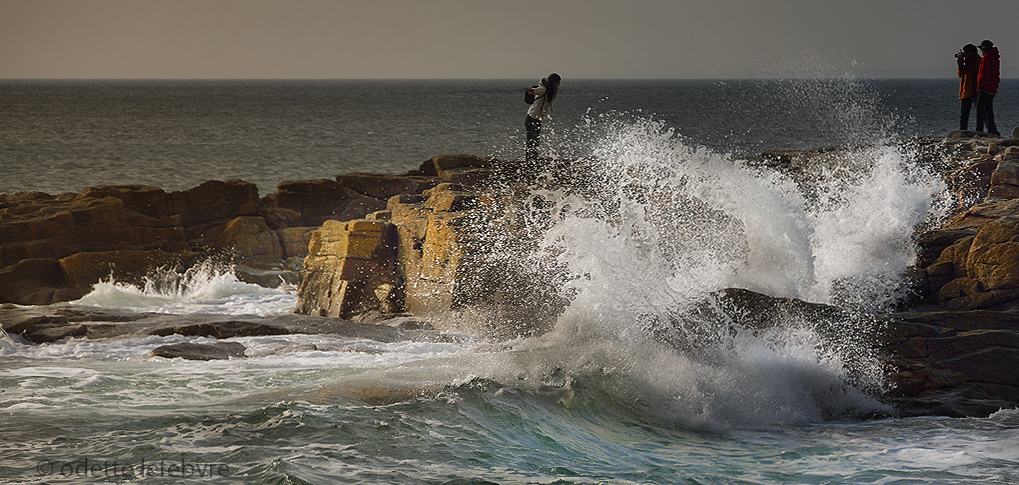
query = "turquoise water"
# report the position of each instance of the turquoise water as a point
(289, 417)
(633, 385)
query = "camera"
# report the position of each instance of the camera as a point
(960, 55)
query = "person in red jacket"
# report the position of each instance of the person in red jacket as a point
(969, 64)
(987, 87)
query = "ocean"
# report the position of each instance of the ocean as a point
(602, 398)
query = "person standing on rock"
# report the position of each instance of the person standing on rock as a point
(540, 98)
(987, 87)
(969, 65)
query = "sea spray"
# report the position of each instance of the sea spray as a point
(208, 287)
(852, 213)
(660, 228)
(864, 226)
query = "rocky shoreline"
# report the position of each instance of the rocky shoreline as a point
(413, 252)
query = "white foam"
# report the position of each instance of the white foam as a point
(705, 222)
(205, 288)
(683, 222)
(80, 373)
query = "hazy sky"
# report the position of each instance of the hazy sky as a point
(477, 39)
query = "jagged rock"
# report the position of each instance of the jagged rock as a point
(267, 278)
(129, 229)
(350, 269)
(979, 214)
(952, 363)
(437, 246)
(51, 227)
(295, 240)
(980, 268)
(82, 270)
(932, 244)
(220, 329)
(320, 200)
(32, 282)
(214, 202)
(447, 167)
(42, 324)
(276, 217)
(1009, 154)
(192, 351)
(384, 187)
(143, 199)
(121, 229)
(970, 183)
(994, 255)
(249, 237)
(1004, 183)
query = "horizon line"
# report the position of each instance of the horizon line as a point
(904, 78)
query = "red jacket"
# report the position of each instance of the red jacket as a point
(989, 77)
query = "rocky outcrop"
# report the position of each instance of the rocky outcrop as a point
(350, 196)
(36, 281)
(453, 254)
(54, 248)
(971, 261)
(35, 225)
(350, 270)
(978, 165)
(952, 363)
(923, 363)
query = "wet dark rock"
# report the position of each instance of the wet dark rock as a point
(952, 363)
(43, 324)
(32, 281)
(221, 329)
(945, 363)
(192, 351)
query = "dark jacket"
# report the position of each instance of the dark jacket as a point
(989, 77)
(968, 68)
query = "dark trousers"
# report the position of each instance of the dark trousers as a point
(985, 113)
(533, 128)
(967, 103)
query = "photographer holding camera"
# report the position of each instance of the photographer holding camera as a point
(540, 98)
(969, 65)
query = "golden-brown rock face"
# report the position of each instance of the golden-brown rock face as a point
(451, 254)
(350, 269)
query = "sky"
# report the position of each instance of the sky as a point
(492, 39)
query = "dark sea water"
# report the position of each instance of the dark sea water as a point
(58, 136)
(602, 398)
